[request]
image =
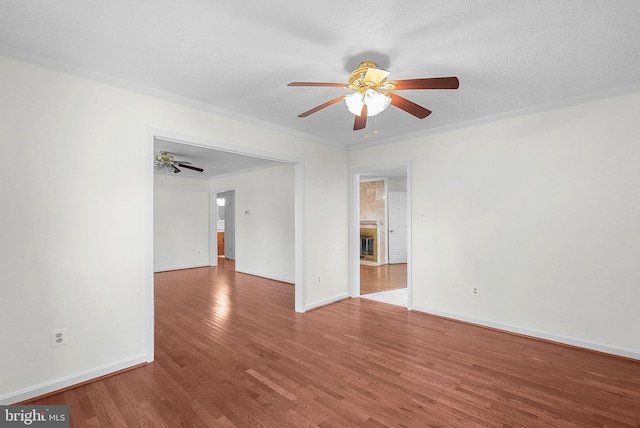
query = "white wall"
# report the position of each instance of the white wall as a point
(265, 241)
(541, 212)
(396, 184)
(78, 202)
(180, 222)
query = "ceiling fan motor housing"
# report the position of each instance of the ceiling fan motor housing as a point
(164, 157)
(368, 76)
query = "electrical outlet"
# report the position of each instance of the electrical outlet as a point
(475, 290)
(58, 337)
(319, 279)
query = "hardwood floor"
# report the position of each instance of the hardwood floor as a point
(380, 278)
(231, 351)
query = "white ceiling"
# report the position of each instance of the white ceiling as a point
(236, 57)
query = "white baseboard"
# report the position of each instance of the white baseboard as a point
(67, 381)
(567, 340)
(325, 302)
(262, 275)
(167, 269)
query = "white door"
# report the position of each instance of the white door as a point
(397, 203)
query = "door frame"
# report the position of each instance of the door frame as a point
(354, 224)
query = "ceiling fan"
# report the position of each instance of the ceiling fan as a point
(373, 93)
(166, 161)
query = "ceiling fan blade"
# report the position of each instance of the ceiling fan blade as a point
(332, 85)
(321, 106)
(428, 83)
(409, 106)
(375, 75)
(175, 169)
(190, 167)
(361, 121)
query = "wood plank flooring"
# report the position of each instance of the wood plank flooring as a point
(380, 278)
(231, 352)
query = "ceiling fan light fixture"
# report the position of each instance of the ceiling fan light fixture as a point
(376, 102)
(354, 102)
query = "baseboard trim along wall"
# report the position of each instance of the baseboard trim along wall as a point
(566, 340)
(261, 275)
(325, 302)
(167, 269)
(72, 380)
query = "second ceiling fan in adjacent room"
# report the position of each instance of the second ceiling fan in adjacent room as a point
(164, 161)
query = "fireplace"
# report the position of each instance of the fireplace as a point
(367, 247)
(370, 241)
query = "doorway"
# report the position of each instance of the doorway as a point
(388, 279)
(216, 147)
(226, 225)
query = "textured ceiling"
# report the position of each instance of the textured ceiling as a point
(236, 57)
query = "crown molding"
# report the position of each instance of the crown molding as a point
(539, 108)
(128, 85)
